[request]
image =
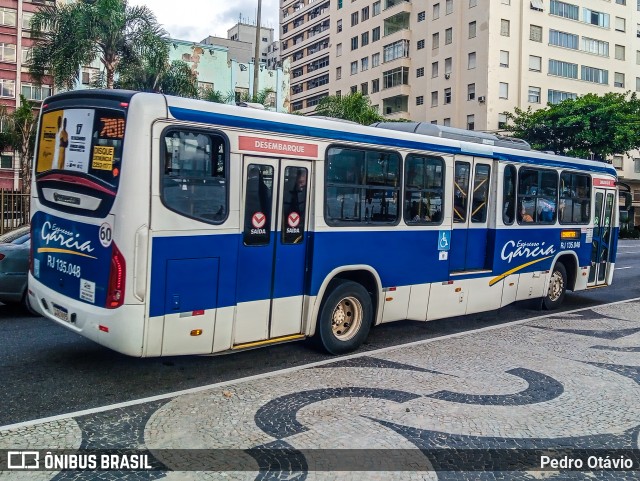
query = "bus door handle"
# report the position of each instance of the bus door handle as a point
(140, 262)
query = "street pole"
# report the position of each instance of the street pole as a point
(256, 56)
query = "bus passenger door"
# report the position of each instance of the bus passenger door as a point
(272, 251)
(602, 237)
(472, 181)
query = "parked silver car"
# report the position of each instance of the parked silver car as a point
(14, 264)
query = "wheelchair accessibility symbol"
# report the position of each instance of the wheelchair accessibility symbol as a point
(444, 240)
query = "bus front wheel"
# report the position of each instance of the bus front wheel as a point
(345, 317)
(557, 288)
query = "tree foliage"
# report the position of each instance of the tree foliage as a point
(19, 134)
(262, 97)
(71, 35)
(590, 126)
(354, 107)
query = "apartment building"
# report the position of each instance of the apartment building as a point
(15, 43)
(304, 40)
(463, 63)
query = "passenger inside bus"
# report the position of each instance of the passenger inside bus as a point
(525, 216)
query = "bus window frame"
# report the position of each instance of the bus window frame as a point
(591, 198)
(362, 224)
(539, 170)
(513, 207)
(227, 156)
(443, 187)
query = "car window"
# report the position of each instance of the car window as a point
(14, 234)
(22, 240)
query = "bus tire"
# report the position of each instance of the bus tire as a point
(345, 317)
(557, 288)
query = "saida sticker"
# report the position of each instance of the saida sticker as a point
(102, 158)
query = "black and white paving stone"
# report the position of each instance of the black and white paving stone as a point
(562, 382)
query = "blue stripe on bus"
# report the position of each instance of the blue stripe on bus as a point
(388, 141)
(400, 257)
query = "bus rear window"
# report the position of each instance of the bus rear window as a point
(82, 141)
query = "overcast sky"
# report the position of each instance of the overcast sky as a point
(195, 20)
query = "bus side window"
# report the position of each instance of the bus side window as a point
(509, 195)
(194, 181)
(461, 191)
(575, 198)
(424, 190)
(257, 205)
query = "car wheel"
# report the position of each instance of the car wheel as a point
(26, 305)
(345, 317)
(557, 288)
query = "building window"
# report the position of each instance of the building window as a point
(471, 122)
(448, 62)
(353, 89)
(338, 50)
(636, 166)
(505, 28)
(338, 73)
(354, 19)
(375, 34)
(620, 52)
(434, 99)
(448, 36)
(504, 90)
(33, 92)
(471, 91)
(535, 33)
(638, 54)
(421, 16)
(364, 64)
(375, 85)
(364, 38)
(354, 43)
(354, 68)
(563, 69)
(446, 122)
(556, 96)
(338, 24)
(364, 88)
(618, 162)
(8, 17)
(618, 79)
(595, 75)
(435, 40)
(563, 39)
(534, 95)
(473, 3)
(420, 100)
(375, 59)
(621, 24)
(597, 47)
(420, 72)
(392, 51)
(563, 9)
(502, 121)
(7, 88)
(535, 63)
(365, 14)
(395, 77)
(6, 161)
(436, 11)
(434, 69)
(595, 18)
(504, 58)
(472, 29)
(7, 52)
(471, 60)
(505, 2)
(448, 7)
(375, 8)
(537, 5)
(447, 96)
(420, 44)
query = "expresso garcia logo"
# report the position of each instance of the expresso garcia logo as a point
(64, 241)
(513, 250)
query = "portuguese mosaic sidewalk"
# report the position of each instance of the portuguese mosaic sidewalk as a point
(563, 381)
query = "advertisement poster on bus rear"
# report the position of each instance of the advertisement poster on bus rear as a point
(65, 140)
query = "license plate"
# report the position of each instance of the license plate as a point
(61, 313)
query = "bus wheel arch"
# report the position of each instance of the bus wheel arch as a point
(562, 278)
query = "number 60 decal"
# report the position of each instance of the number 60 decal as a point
(105, 234)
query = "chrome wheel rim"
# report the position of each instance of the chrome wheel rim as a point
(556, 286)
(346, 318)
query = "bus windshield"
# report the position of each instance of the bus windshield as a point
(81, 141)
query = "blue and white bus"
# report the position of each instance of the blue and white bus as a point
(166, 226)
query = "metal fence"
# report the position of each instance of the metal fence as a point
(14, 211)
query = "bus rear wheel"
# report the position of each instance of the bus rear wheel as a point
(557, 288)
(345, 317)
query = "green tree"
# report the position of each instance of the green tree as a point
(262, 97)
(590, 126)
(217, 96)
(19, 135)
(354, 107)
(75, 34)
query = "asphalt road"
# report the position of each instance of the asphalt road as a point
(46, 370)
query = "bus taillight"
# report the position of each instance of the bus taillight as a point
(115, 291)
